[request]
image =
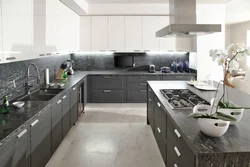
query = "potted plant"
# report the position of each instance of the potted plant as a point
(215, 119)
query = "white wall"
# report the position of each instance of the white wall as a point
(237, 11)
(205, 65)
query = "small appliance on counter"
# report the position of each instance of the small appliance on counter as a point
(151, 68)
(165, 69)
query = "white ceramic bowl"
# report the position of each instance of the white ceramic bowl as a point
(213, 127)
(18, 104)
(236, 113)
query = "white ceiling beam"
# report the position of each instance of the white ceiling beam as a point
(80, 7)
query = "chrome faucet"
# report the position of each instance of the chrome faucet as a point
(28, 85)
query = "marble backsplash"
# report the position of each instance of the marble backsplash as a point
(105, 61)
(17, 70)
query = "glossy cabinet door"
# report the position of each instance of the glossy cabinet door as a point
(85, 33)
(150, 24)
(1, 35)
(66, 113)
(40, 139)
(99, 33)
(17, 24)
(6, 151)
(74, 105)
(133, 33)
(57, 124)
(21, 154)
(165, 44)
(116, 35)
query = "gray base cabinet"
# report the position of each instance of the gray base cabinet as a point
(174, 150)
(122, 88)
(66, 113)
(40, 139)
(73, 114)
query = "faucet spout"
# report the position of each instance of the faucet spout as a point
(27, 84)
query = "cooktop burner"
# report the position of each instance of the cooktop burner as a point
(182, 98)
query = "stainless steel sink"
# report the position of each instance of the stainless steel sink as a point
(47, 92)
(35, 97)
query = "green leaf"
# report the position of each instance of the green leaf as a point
(224, 117)
(221, 105)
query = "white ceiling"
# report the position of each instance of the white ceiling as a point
(155, 1)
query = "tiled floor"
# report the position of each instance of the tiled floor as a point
(109, 135)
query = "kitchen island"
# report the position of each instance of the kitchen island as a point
(179, 139)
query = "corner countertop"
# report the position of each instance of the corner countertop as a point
(10, 122)
(235, 140)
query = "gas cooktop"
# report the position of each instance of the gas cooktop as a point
(182, 98)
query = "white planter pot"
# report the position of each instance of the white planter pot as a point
(236, 113)
(213, 127)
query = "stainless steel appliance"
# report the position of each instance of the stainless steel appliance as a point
(182, 98)
(183, 21)
(151, 68)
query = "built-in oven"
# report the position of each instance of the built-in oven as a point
(80, 98)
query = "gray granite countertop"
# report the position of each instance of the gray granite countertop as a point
(17, 117)
(235, 140)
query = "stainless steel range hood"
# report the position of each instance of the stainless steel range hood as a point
(183, 21)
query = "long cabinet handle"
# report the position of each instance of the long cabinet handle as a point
(177, 151)
(158, 104)
(142, 84)
(106, 77)
(64, 97)
(142, 91)
(159, 130)
(175, 165)
(22, 133)
(177, 133)
(59, 102)
(107, 91)
(149, 100)
(142, 77)
(74, 88)
(34, 123)
(137, 50)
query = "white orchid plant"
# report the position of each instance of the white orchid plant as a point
(229, 58)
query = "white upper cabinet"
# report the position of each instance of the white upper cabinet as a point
(62, 28)
(17, 24)
(116, 33)
(1, 36)
(85, 33)
(133, 33)
(150, 24)
(165, 44)
(99, 33)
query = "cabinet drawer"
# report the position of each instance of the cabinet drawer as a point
(107, 82)
(140, 86)
(141, 79)
(174, 133)
(73, 96)
(107, 96)
(160, 120)
(177, 150)
(136, 96)
(177, 77)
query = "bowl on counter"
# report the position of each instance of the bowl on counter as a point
(18, 104)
